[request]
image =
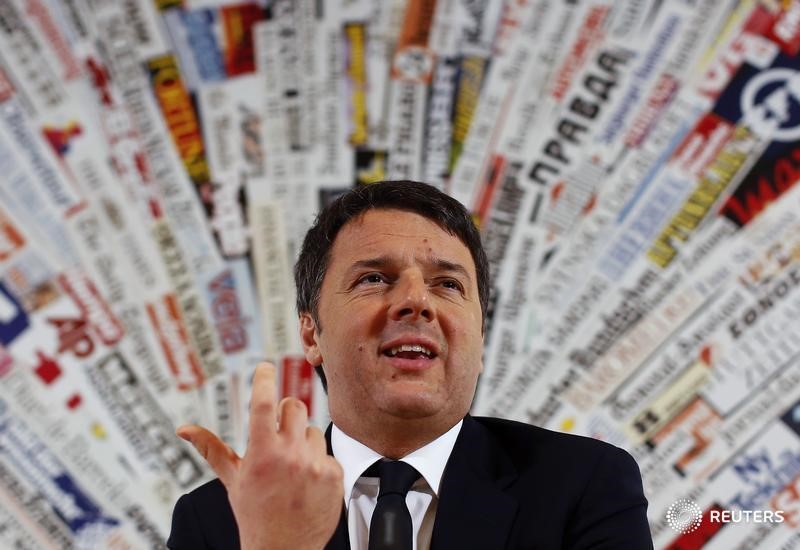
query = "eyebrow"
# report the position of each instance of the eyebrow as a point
(439, 263)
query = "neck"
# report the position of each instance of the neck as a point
(398, 437)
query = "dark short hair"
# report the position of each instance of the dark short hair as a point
(410, 196)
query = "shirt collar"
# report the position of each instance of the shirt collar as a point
(429, 461)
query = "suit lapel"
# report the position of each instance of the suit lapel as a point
(474, 511)
(341, 537)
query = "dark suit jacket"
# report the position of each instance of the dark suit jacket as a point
(506, 485)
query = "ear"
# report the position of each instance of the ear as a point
(308, 337)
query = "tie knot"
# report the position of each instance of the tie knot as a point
(396, 477)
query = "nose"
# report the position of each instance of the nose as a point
(410, 300)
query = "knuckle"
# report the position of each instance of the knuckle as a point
(315, 472)
(295, 465)
(312, 432)
(261, 469)
(294, 403)
(279, 460)
(264, 407)
(333, 471)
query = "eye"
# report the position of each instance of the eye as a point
(372, 279)
(452, 284)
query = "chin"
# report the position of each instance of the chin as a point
(410, 404)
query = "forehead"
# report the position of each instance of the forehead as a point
(396, 232)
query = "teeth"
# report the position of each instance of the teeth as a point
(410, 347)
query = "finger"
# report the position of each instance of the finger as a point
(222, 459)
(316, 441)
(263, 422)
(293, 418)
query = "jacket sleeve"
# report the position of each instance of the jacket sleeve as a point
(612, 512)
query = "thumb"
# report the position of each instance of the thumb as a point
(222, 459)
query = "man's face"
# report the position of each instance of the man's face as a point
(400, 323)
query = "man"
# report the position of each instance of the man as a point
(393, 289)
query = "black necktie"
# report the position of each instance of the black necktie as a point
(390, 528)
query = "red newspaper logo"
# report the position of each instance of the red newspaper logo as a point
(169, 327)
(47, 370)
(238, 24)
(297, 377)
(73, 335)
(93, 307)
(755, 194)
(590, 35)
(413, 60)
(100, 80)
(703, 144)
(786, 30)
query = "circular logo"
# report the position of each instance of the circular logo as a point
(414, 63)
(684, 515)
(771, 104)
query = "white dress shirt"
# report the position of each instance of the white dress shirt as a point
(361, 493)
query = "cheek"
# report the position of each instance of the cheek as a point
(466, 332)
(372, 320)
(347, 333)
(466, 342)
(347, 352)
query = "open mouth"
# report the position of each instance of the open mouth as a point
(410, 351)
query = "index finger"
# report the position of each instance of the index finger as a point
(263, 416)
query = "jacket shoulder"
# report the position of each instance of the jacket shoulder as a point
(524, 443)
(203, 518)
(588, 491)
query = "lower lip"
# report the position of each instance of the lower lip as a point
(410, 364)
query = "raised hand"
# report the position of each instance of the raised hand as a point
(286, 492)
